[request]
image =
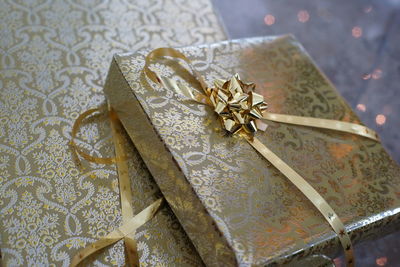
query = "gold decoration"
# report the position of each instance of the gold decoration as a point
(237, 105)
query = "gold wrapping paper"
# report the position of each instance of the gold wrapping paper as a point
(54, 57)
(235, 207)
(242, 113)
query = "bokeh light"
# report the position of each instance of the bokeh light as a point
(269, 19)
(303, 16)
(380, 119)
(361, 107)
(381, 261)
(377, 74)
(356, 32)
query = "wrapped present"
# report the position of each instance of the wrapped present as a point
(54, 59)
(249, 191)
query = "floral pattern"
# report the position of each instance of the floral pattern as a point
(54, 58)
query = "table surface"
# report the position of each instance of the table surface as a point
(357, 44)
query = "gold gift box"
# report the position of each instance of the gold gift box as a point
(54, 59)
(234, 205)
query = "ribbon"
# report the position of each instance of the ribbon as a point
(242, 111)
(75, 128)
(130, 223)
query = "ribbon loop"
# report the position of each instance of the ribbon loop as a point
(163, 52)
(75, 128)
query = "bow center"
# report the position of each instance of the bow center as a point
(237, 105)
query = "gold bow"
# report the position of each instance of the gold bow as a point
(242, 111)
(130, 222)
(237, 105)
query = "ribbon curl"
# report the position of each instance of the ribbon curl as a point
(242, 111)
(130, 222)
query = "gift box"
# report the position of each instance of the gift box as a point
(54, 60)
(235, 206)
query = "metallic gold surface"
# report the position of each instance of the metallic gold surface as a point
(262, 217)
(188, 205)
(238, 106)
(54, 57)
(316, 199)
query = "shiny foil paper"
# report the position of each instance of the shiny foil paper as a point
(54, 57)
(236, 208)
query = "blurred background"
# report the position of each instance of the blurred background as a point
(357, 44)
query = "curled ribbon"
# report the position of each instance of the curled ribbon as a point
(242, 111)
(130, 223)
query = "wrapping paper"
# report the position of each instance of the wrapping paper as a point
(54, 56)
(236, 208)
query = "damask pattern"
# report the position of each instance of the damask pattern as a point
(262, 216)
(54, 58)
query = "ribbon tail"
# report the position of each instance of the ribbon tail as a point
(131, 250)
(122, 168)
(336, 125)
(316, 199)
(106, 241)
(126, 230)
(132, 257)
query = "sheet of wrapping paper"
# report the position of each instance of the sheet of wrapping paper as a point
(54, 57)
(227, 195)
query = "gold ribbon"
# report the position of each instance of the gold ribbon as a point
(242, 111)
(126, 232)
(75, 128)
(323, 123)
(130, 223)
